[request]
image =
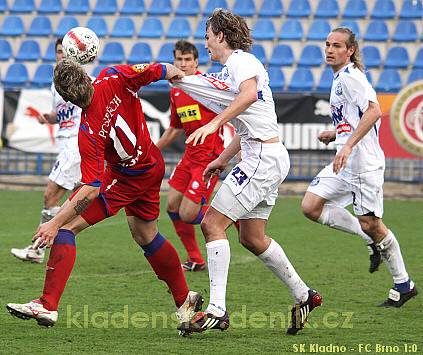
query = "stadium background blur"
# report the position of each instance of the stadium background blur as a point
(111, 277)
(288, 38)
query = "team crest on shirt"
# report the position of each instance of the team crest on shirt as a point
(338, 89)
(315, 181)
(139, 68)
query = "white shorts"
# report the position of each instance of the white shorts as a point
(364, 190)
(66, 172)
(252, 185)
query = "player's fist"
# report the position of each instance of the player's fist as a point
(326, 137)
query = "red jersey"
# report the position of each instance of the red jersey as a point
(113, 127)
(188, 114)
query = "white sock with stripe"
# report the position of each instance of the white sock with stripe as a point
(341, 219)
(276, 260)
(218, 258)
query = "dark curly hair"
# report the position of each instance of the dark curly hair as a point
(234, 28)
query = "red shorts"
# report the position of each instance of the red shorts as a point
(187, 178)
(139, 195)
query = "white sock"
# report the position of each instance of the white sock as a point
(341, 219)
(275, 259)
(391, 253)
(48, 213)
(218, 258)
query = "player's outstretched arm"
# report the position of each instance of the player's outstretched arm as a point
(246, 97)
(168, 137)
(46, 232)
(173, 73)
(367, 121)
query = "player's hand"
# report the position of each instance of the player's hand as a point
(201, 133)
(43, 119)
(326, 137)
(45, 235)
(341, 159)
(173, 73)
(214, 168)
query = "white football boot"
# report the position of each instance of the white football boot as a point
(191, 306)
(29, 254)
(33, 309)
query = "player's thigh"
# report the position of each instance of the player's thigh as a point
(174, 199)
(368, 193)
(53, 194)
(188, 209)
(66, 170)
(142, 231)
(330, 187)
(180, 177)
(198, 190)
(227, 204)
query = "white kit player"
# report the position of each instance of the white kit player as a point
(356, 175)
(249, 192)
(65, 174)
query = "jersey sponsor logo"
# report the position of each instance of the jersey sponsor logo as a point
(65, 112)
(195, 185)
(337, 113)
(407, 118)
(110, 109)
(189, 113)
(139, 68)
(67, 124)
(218, 84)
(343, 128)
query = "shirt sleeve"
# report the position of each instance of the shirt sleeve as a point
(358, 91)
(138, 75)
(242, 67)
(175, 122)
(91, 148)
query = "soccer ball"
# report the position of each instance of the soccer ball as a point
(81, 45)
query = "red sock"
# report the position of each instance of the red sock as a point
(59, 267)
(186, 233)
(165, 262)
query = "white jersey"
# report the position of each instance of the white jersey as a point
(217, 90)
(68, 116)
(349, 99)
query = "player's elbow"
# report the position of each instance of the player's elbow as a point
(375, 109)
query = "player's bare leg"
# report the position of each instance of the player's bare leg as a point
(390, 251)
(322, 211)
(52, 197)
(253, 238)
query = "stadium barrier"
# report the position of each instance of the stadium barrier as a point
(29, 148)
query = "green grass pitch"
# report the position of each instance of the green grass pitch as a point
(114, 304)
